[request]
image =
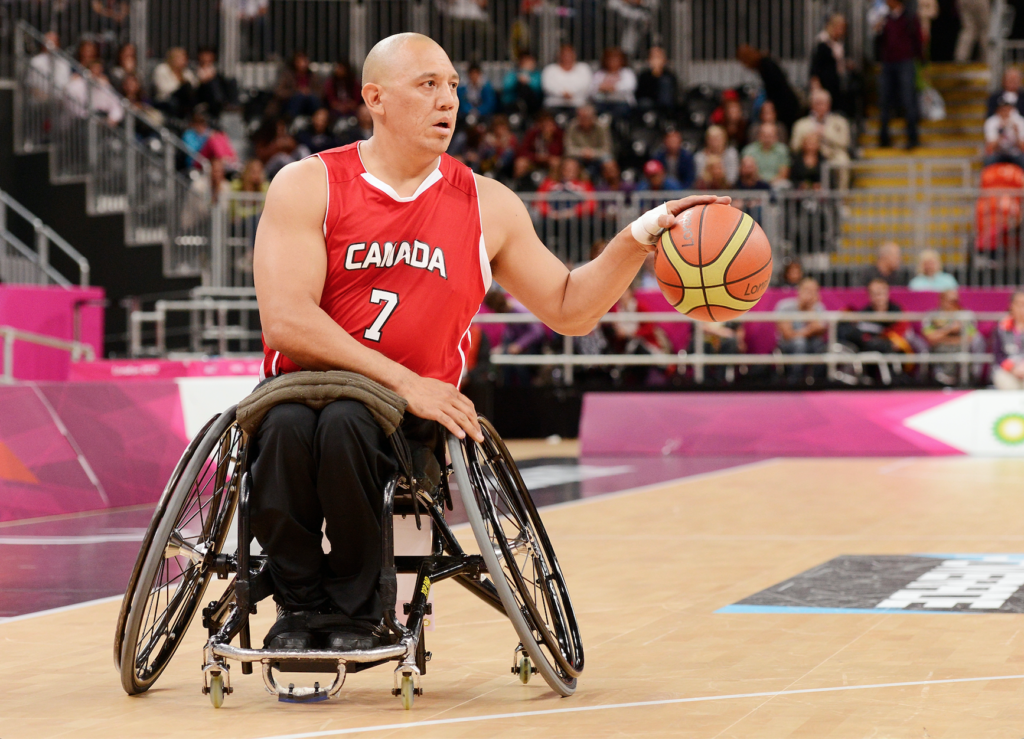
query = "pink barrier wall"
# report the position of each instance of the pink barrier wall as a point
(844, 424)
(109, 370)
(50, 311)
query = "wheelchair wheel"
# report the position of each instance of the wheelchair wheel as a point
(174, 563)
(519, 557)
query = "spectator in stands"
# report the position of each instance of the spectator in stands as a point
(127, 63)
(721, 338)
(216, 90)
(734, 121)
(174, 84)
(829, 67)
(516, 338)
(805, 172)
(750, 176)
(1008, 347)
(900, 48)
(802, 336)
(205, 193)
(112, 15)
(792, 273)
(476, 95)
(363, 128)
(524, 177)
(102, 98)
(568, 182)
(589, 139)
(930, 275)
(1004, 134)
(614, 84)
(317, 136)
(88, 52)
(634, 337)
(197, 133)
(765, 113)
(656, 88)
(833, 131)
(974, 19)
(341, 91)
(152, 118)
(543, 141)
(1011, 89)
(567, 83)
(776, 84)
(678, 162)
(299, 88)
(712, 176)
(888, 266)
(883, 336)
(499, 147)
(46, 70)
(655, 179)
(521, 89)
(771, 155)
(252, 179)
(948, 335)
(716, 143)
(610, 179)
(636, 16)
(274, 146)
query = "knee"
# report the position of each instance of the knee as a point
(345, 418)
(286, 422)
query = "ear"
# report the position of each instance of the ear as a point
(372, 93)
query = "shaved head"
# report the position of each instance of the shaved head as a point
(390, 54)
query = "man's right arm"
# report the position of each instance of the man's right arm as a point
(289, 270)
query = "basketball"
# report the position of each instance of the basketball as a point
(714, 264)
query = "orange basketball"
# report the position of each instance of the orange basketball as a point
(714, 264)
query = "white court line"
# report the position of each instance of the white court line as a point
(62, 609)
(637, 704)
(65, 540)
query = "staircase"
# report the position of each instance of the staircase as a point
(896, 194)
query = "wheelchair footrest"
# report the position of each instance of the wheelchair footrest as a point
(303, 695)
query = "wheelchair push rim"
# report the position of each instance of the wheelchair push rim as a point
(519, 557)
(176, 563)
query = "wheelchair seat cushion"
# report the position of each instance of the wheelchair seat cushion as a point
(317, 390)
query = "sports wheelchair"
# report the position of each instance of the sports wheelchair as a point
(516, 573)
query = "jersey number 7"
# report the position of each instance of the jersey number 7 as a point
(390, 301)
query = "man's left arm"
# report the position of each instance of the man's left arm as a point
(571, 303)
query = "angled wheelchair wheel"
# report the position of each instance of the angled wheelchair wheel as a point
(519, 557)
(174, 565)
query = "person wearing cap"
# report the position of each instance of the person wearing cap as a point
(1011, 86)
(1004, 134)
(655, 178)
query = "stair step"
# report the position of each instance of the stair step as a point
(942, 140)
(929, 153)
(901, 183)
(943, 83)
(957, 68)
(950, 126)
(954, 109)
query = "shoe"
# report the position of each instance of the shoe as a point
(349, 641)
(290, 631)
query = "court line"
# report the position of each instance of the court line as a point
(637, 704)
(65, 540)
(61, 609)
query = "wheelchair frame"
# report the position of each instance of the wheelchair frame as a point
(228, 617)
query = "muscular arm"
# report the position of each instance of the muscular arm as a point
(569, 302)
(289, 270)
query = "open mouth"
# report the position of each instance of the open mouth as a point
(443, 125)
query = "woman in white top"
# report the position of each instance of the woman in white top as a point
(614, 84)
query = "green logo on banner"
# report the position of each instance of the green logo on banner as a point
(1009, 429)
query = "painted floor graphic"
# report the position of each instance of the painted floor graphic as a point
(921, 583)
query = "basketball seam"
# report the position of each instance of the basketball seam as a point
(739, 250)
(762, 268)
(700, 257)
(681, 285)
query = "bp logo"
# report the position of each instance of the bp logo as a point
(1009, 429)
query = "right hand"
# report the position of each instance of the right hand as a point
(439, 401)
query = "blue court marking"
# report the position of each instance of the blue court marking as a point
(807, 609)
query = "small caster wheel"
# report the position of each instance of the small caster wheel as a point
(408, 692)
(525, 668)
(217, 691)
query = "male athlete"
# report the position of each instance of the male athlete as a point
(374, 258)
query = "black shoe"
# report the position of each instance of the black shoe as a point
(348, 641)
(290, 631)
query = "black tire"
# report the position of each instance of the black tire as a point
(147, 540)
(207, 489)
(523, 568)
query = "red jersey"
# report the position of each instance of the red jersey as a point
(405, 276)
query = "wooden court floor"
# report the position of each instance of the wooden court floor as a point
(647, 571)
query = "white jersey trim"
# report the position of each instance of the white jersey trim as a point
(388, 190)
(327, 174)
(485, 261)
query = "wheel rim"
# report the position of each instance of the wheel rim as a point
(196, 535)
(518, 537)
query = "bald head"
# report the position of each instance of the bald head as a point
(392, 53)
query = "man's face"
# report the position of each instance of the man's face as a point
(929, 266)
(567, 57)
(950, 300)
(1004, 111)
(878, 295)
(820, 105)
(610, 170)
(207, 59)
(527, 63)
(673, 142)
(476, 77)
(587, 117)
(1011, 80)
(570, 170)
(837, 29)
(808, 294)
(748, 169)
(656, 179)
(656, 58)
(420, 102)
(320, 120)
(767, 135)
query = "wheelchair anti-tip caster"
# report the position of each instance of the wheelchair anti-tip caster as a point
(217, 684)
(522, 666)
(406, 684)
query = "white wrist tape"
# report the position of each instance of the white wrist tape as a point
(645, 229)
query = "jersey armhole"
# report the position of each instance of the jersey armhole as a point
(327, 176)
(485, 262)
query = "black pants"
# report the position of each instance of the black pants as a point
(328, 465)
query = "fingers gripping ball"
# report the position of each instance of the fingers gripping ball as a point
(714, 264)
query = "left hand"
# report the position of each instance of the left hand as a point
(676, 207)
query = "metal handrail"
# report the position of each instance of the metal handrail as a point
(44, 231)
(10, 334)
